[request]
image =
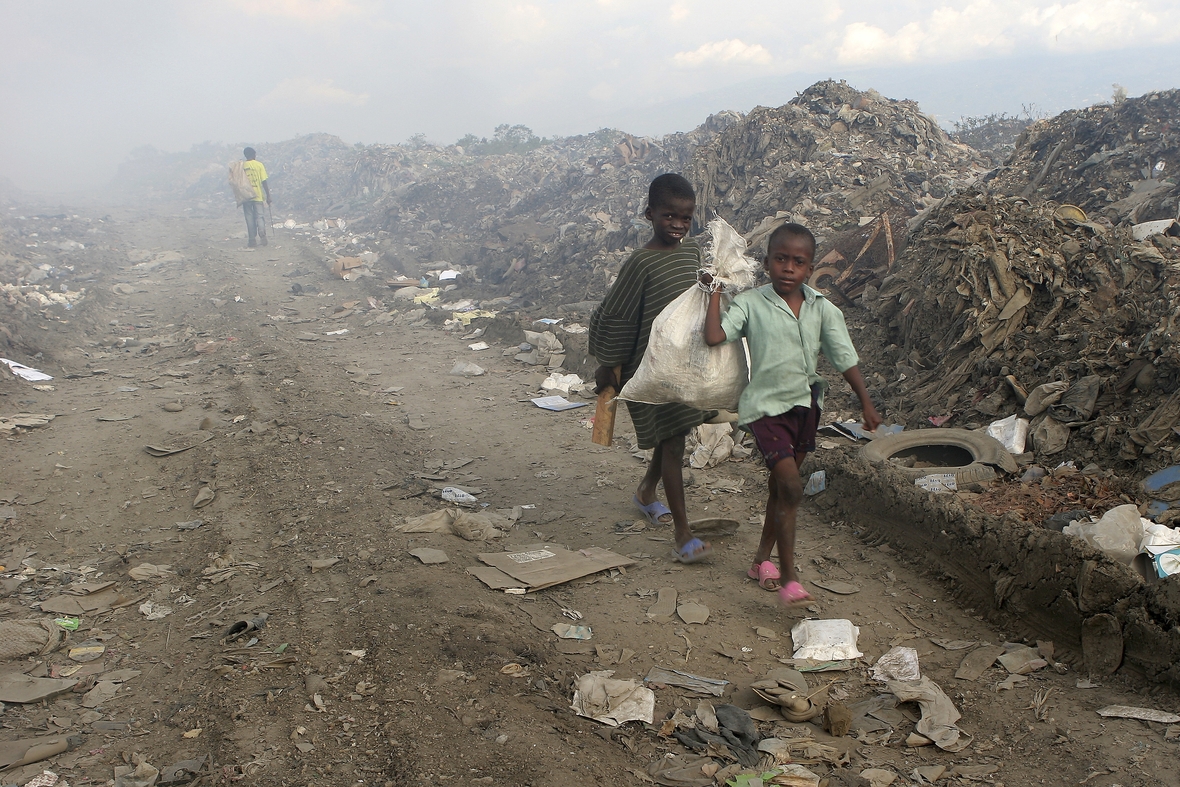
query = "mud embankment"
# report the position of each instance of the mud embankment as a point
(1037, 582)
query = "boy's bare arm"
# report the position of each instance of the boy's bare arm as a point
(871, 419)
(714, 333)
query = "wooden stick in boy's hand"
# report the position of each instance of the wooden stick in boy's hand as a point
(606, 384)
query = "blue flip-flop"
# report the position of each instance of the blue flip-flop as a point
(688, 552)
(653, 511)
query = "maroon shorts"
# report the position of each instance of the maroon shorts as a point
(788, 434)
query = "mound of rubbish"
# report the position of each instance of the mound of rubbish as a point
(1121, 161)
(308, 174)
(48, 265)
(1000, 307)
(994, 135)
(551, 225)
(831, 156)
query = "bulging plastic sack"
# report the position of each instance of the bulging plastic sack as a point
(1118, 533)
(678, 366)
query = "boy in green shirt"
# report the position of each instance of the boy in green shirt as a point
(787, 325)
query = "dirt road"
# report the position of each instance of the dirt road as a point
(322, 420)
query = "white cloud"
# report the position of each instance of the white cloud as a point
(603, 91)
(308, 92)
(678, 12)
(985, 28)
(301, 10)
(731, 50)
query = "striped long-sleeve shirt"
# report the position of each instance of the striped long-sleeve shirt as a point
(648, 281)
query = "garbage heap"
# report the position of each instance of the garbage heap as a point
(995, 297)
(832, 155)
(47, 262)
(551, 225)
(1120, 161)
(308, 174)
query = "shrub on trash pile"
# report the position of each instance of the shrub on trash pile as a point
(1121, 161)
(829, 157)
(995, 286)
(994, 135)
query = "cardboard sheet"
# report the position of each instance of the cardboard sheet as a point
(540, 566)
(494, 578)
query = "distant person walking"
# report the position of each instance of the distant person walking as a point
(255, 216)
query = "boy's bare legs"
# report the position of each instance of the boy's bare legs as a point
(667, 460)
(782, 506)
(646, 493)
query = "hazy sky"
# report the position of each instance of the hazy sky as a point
(83, 82)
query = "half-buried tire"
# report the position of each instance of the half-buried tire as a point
(971, 456)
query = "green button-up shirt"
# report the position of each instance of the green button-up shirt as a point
(784, 349)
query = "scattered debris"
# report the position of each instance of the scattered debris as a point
(825, 640)
(430, 556)
(685, 680)
(1142, 714)
(600, 697)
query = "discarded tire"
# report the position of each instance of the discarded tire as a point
(970, 456)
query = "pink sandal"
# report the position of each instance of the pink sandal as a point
(792, 594)
(767, 574)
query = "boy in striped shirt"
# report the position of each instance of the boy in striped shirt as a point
(650, 279)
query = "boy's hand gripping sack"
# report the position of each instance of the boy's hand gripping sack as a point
(678, 366)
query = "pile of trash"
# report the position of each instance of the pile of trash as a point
(1120, 161)
(999, 307)
(308, 174)
(832, 155)
(551, 225)
(45, 261)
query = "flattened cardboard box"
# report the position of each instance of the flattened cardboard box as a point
(540, 566)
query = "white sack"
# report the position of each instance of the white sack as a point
(679, 367)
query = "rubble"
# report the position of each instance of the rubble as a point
(994, 296)
(1117, 161)
(832, 155)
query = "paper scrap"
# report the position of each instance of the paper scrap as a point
(26, 372)
(600, 697)
(556, 403)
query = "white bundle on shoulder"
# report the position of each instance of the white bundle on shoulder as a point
(726, 259)
(678, 366)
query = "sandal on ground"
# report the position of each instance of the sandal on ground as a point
(767, 574)
(792, 594)
(693, 550)
(653, 511)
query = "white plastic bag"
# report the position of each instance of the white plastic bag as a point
(1118, 533)
(240, 183)
(825, 640)
(713, 445)
(678, 366)
(1011, 432)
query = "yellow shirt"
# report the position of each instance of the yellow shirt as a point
(257, 174)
